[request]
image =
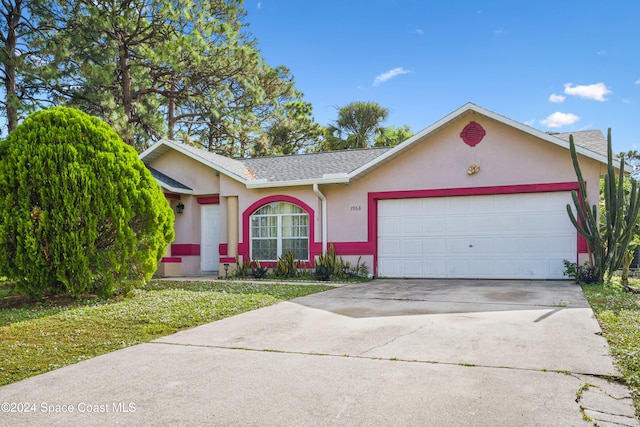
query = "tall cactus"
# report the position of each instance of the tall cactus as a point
(607, 242)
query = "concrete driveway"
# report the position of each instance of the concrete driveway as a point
(388, 352)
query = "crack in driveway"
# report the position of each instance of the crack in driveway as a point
(393, 359)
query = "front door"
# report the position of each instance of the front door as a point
(210, 237)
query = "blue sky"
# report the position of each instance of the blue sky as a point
(555, 65)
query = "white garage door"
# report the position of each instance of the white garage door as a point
(496, 236)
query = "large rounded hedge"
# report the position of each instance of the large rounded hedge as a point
(79, 212)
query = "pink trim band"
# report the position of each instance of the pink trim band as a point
(185, 249)
(208, 200)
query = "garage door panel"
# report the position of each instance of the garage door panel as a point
(484, 204)
(434, 268)
(558, 221)
(509, 224)
(412, 226)
(458, 245)
(537, 245)
(434, 246)
(390, 266)
(493, 236)
(458, 205)
(508, 268)
(412, 247)
(535, 223)
(434, 225)
(483, 246)
(457, 224)
(389, 247)
(481, 267)
(458, 267)
(556, 267)
(561, 244)
(483, 222)
(412, 268)
(389, 226)
(508, 245)
(534, 268)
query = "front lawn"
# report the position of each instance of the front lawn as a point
(37, 337)
(618, 313)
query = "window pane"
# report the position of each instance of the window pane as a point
(264, 249)
(299, 247)
(264, 226)
(295, 226)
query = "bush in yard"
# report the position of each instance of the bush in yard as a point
(79, 212)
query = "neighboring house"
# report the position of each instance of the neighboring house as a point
(475, 195)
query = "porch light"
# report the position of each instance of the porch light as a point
(226, 271)
(180, 207)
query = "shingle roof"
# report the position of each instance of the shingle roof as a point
(592, 140)
(309, 166)
(347, 165)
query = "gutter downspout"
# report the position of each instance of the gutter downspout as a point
(323, 199)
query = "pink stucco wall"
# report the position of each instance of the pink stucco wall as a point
(205, 182)
(202, 179)
(506, 157)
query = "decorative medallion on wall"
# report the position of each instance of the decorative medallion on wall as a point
(472, 134)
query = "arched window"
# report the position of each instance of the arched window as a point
(278, 228)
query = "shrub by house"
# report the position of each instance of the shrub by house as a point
(79, 212)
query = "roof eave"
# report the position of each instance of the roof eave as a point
(326, 179)
(460, 112)
(173, 189)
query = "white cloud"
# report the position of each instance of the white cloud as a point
(596, 91)
(557, 99)
(626, 101)
(389, 75)
(259, 5)
(558, 119)
(530, 122)
(638, 82)
(419, 31)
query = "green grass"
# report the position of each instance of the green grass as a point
(618, 312)
(37, 337)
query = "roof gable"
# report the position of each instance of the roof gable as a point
(345, 166)
(470, 108)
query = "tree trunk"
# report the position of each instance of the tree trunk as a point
(127, 96)
(12, 17)
(171, 121)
